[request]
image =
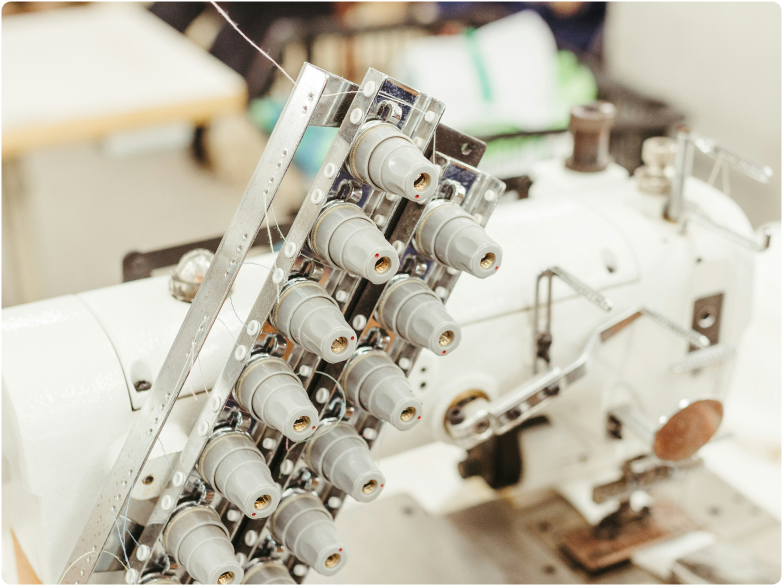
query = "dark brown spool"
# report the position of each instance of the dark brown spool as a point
(590, 126)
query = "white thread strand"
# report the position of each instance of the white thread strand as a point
(138, 461)
(227, 329)
(225, 15)
(244, 36)
(342, 392)
(85, 555)
(268, 230)
(231, 300)
(192, 353)
(277, 226)
(264, 267)
(122, 543)
(203, 382)
(291, 79)
(165, 455)
(231, 297)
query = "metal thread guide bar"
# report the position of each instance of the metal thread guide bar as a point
(247, 220)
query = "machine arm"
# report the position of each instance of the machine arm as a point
(478, 420)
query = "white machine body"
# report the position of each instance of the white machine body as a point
(71, 364)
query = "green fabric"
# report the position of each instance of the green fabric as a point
(575, 85)
(478, 62)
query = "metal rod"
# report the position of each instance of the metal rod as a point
(682, 166)
(755, 245)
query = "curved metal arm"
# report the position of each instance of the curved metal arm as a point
(482, 419)
(543, 340)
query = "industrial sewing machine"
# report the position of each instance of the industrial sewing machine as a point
(146, 443)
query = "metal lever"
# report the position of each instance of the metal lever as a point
(480, 419)
(640, 473)
(542, 341)
(677, 209)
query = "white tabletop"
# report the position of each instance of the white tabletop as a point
(83, 72)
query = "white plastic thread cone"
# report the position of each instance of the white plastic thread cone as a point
(347, 238)
(199, 542)
(342, 457)
(270, 390)
(387, 159)
(232, 464)
(412, 310)
(450, 235)
(311, 318)
(381, 388)
(306, 528)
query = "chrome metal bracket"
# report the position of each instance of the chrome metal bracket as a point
(328, 177)
(678, 210)
(542, 341)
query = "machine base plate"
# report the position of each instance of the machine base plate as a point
(595, 553)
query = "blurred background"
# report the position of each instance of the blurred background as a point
(134, 127)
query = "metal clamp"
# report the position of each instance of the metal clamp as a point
(480, 419)
(678, 210)
(542, 341)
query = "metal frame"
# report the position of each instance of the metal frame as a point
(320, 99)
(415, 123)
